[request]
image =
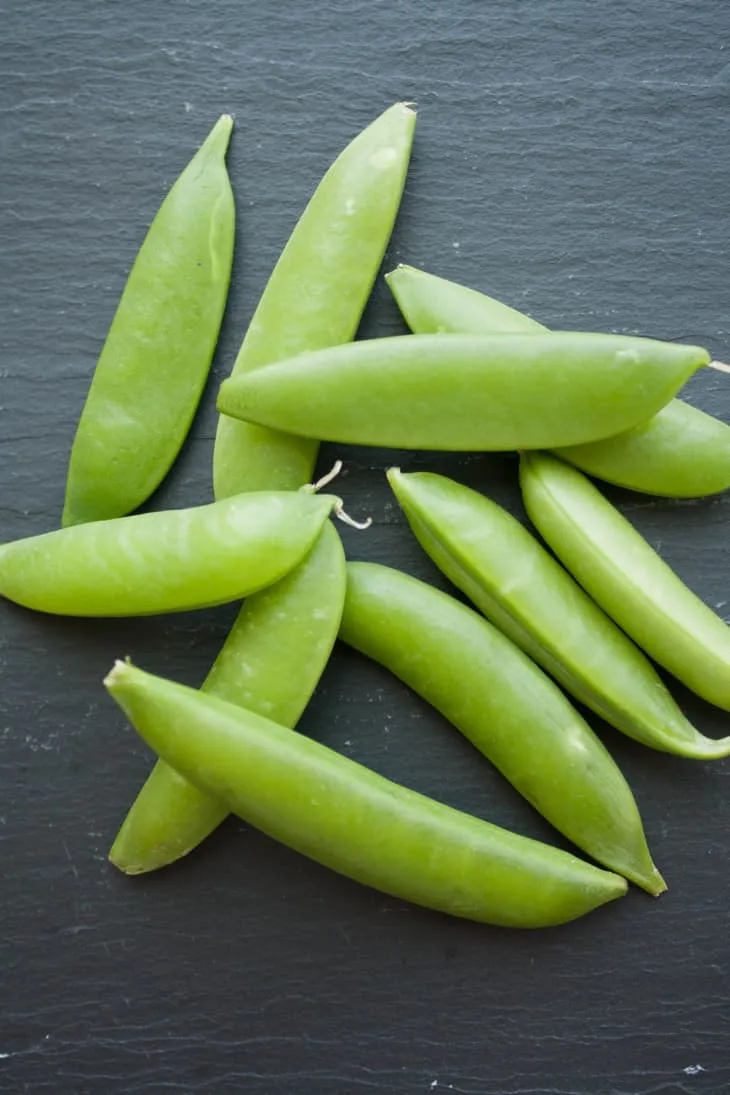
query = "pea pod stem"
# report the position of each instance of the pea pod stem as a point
(338, 510)
(506, 706)
(680, 452)
(354, 821)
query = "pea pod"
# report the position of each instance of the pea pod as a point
(167, 561)
(503, 703)
(466, 392)
(317, 292)
(520, 587)
(152, 369)
(350, 819)
(270, 663)
(627, 578)
(680, 452)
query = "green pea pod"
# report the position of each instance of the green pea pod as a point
(506, 706)
(152, 369)
(520, 587)
(431, 306)
(357, 822)
(466, 392)
(680, 452)
(317, 292)
(270, 663)
(627, 578)
(164, 562)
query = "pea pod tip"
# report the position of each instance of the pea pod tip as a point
(402, 267)
(117, 672)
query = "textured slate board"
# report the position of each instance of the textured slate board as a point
(572, 159)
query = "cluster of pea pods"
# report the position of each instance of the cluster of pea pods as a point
(474, 375)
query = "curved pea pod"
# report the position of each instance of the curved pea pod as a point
(270, 663)
(152, 369)
(466, 392)
(506, 706)
(492, 558)
(354, 821)
(167, 561)
(679, 453)
(317, 292)
(627, 578)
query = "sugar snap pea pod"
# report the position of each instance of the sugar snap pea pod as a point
(152, 369)
(431, 305)
(270, 663)
(520, 587)
(680, 452)
(167, 561)
(466, 392)
(503, 703)
(317, 292)
(347, 817)
(627, 578)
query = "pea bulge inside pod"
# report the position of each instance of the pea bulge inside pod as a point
(463, 392)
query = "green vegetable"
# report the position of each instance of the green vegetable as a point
(627, 578)
(164, 562)
(317, 292)
(354, 821)
(520, 587)
(152, 369)
(680, 452)
(506, 706)
(270, 663)
(466, 392)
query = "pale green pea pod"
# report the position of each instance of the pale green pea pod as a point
(154, 363)
(165, 562)
(436, 306)
(317, 292)
(519, 586)
(503, 703)
(680, 452)
(354, 821)
(270, 663)
(466, 392)
(627, 578)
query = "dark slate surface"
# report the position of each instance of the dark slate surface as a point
(571, 159)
